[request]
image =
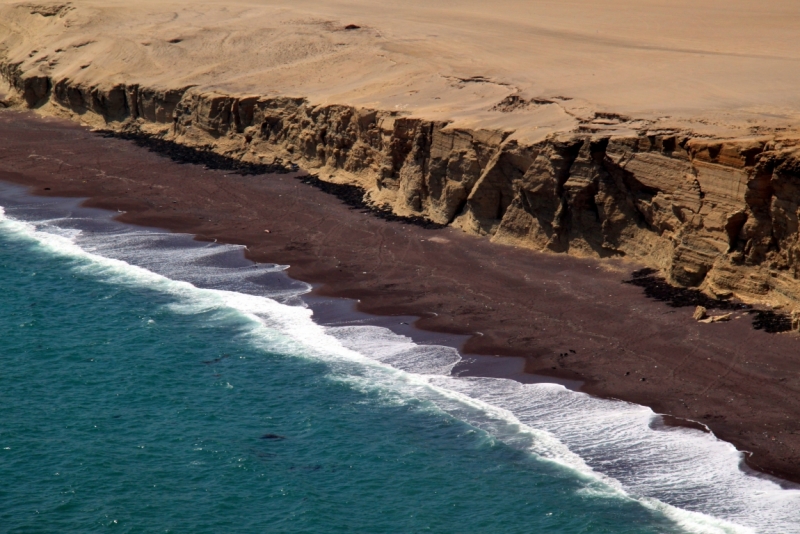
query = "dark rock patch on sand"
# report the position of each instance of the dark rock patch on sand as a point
(657, 288)
(211, 160)
(351, 195)
(354, 196)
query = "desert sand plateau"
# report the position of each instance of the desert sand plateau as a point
(666, 133)
(718, 67)
(659, 131)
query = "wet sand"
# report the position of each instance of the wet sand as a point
(568, 318)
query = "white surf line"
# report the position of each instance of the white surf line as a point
(293, 330)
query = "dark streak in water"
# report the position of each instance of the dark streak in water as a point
(217, 360)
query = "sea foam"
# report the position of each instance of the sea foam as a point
(690, 476)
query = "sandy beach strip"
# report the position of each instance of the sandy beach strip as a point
(569, 318)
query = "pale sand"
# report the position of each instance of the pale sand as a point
(713, 66)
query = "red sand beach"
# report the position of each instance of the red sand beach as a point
(569, 318)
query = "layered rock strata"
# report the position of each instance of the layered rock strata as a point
(720, 214)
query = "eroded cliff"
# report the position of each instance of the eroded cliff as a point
(717, 213)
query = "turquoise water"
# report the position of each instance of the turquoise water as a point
(134, 403)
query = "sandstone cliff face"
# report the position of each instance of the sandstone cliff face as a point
(721, 214)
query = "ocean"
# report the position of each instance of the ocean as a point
(153, 383)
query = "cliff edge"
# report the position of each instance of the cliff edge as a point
(536, 131)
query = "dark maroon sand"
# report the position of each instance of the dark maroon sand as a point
(568, 318)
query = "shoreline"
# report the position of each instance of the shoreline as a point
(407, 279)
(338, 311)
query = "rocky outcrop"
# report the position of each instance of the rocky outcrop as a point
(32, 89)
(721, 214)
